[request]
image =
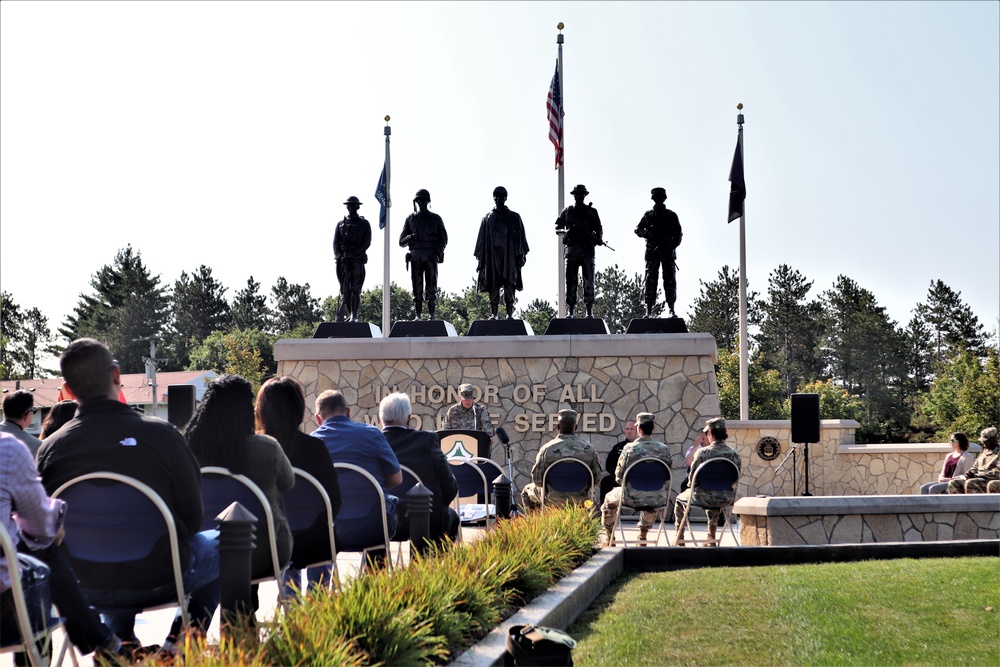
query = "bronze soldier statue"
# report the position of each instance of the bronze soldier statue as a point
(662, 230)
(581, 230)
(501, 250)
(350, 245)
(424, 234)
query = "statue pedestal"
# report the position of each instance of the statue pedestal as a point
(347, 330)
(422, 329)
(500, 328)
(569, 326)
(657, 325)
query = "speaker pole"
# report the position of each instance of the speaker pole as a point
(805, 465)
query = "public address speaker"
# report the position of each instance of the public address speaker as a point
(805, 418)
(180, 404)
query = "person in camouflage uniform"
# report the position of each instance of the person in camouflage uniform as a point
(469, 415)
(643, 448)
(716, 429)
(985, 470)
(566, 445)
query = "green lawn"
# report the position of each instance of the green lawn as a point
(897, 612)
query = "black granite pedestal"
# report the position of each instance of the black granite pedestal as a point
(570, 326)
(422, 329)
(347, 330)
(500, 327)
(659, 325)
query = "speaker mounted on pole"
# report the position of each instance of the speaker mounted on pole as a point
(805, 427)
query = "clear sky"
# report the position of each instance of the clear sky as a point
(229, 134)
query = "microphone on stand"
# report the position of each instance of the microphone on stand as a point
(502, 434)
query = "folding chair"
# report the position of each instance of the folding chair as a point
(36, 657)
(713, 475)
(491, 470)
(117, 519)
(569, 475)
(471, 482)
(644, 475)
(363, 507)
(410, 480)
(304, 503)
(220, 488)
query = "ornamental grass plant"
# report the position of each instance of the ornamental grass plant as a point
(424, 613)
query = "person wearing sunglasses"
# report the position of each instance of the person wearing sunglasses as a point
(18, 411)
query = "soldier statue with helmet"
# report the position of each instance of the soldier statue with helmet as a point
(662, 230)
(425, 235)
(351, 240)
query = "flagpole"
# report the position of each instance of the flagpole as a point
(385, 239)
(562, 183)
(744, 366)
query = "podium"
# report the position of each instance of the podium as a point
(466, 443)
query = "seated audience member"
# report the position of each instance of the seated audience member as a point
(280, 410)
(955, 464)
(108, 436)
(420, 451)
(18, 411)
(700, 440)
(985, 469)
(359, 444)
(993, 486)
(60, 413)
(34, 523)
(643, 448)
(566, 445)
(611, 462)
(717, 448)
(221, 433)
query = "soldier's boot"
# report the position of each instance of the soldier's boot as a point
(570, 309)
(649, 309)
(711, 541)
(494, 307)
(672, 313)
(609, 536)
(590, 310)
(510, 309)
(418, 306)
(643, 531)
(431, 305)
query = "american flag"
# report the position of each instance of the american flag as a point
(554, 106)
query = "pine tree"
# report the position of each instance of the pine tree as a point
(199, 308)
(790, 329)
(538, 314)
(717, 309)
(249, 310)
(951, 322)
(294, 306)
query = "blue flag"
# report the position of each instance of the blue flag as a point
(382, 195)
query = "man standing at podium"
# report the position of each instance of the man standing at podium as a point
(468, 414)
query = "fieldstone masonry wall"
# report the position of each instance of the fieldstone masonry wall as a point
(524, 381)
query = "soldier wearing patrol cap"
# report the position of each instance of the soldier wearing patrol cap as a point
(644, 447)
(424, 234)
(662, 230)
(351, 240)
(468, 414)
(566, 445)
(501, 250)
(717, 433)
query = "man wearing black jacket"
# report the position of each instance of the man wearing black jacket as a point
(421, 452)
(108, 436)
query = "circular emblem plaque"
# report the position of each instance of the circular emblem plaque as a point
(768, 448)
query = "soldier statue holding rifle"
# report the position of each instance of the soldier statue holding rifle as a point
(662, 230)
(580, 227)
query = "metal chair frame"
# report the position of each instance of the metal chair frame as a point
(327, 508)
(458, 461)
(170, 529)
(660, 513)
(351, 468)
(561, 462)
(403, 488)
(726, 510)
(278, 568)
(36, 657)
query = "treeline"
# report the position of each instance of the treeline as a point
(938, 373)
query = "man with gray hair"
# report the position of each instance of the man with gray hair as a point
(566, 445)
(643, 448)
(717, 433)
(985, 470)
(18, 412)
(421, 452)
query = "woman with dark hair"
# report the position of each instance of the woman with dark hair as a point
(221, 433)
(59, 414)
(281, 407)
(956, 463)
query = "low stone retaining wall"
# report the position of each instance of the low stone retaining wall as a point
(867, 519)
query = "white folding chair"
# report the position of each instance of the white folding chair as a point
(29, 639)
(650, 474)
